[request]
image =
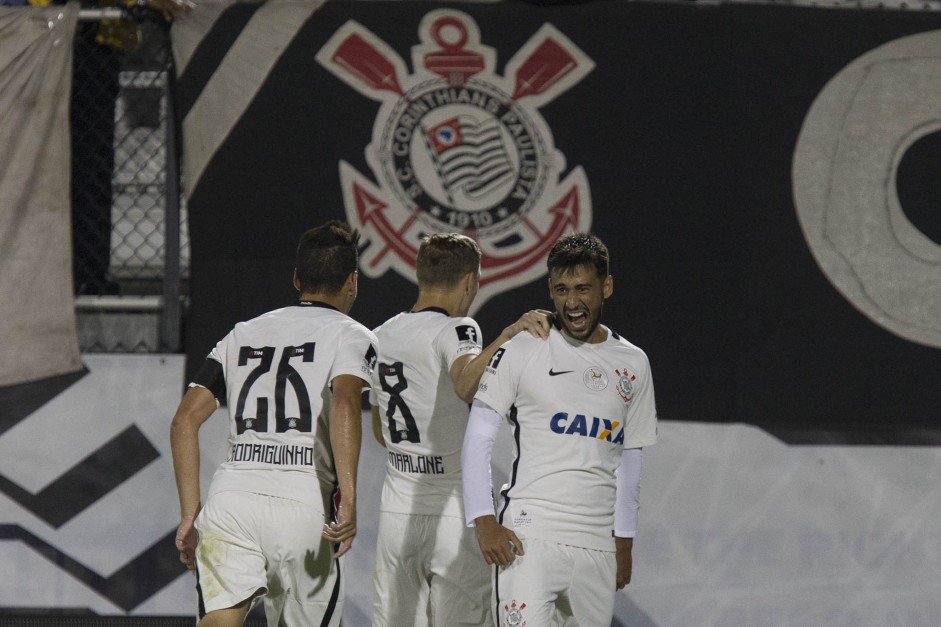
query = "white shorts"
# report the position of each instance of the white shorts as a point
(253, 544)
(556, 584)
(429, 571)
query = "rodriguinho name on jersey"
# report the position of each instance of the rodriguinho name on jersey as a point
(598, 428)
(417, 464)
(277, 454)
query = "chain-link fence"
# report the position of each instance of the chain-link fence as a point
(130, 247)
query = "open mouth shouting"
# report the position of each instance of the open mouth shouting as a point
(578, 323)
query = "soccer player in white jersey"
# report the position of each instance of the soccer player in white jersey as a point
(581, 407)
(428, 568)
(272, 526)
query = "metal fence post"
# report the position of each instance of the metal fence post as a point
(170, 316)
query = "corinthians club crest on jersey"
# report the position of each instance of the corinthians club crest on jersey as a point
(457, 147)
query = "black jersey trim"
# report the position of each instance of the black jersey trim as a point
(496, 589)
(211, 377)
(433, 310)
(200, 601)
(516, 463)
(316, 303)
(334, 597)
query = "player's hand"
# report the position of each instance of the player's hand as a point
(498, 544)
(623, 547)
(186, 542)
(536, 322)
(343, 529)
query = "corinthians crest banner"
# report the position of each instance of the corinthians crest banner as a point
(457, 147)
(766, 198)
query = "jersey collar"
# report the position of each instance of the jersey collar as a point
(433, 309)
(315, 303)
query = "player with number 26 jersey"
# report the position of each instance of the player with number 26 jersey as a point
(281, 509)
(278, 368)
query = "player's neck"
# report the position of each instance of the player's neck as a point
(339, 301)
(450, 301)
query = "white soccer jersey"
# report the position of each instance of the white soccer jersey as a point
(573, 407)
(278, 368)
(423, 418)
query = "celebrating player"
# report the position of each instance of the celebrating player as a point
(293, 379)
(428, 568)
(581, 407)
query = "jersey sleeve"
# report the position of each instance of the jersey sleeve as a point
(500, 380)
(356, 354)
(212, 377)
(461, 337)
(211, 374)
(641, 424)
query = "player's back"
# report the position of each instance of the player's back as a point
(422, 417)
(277, 368)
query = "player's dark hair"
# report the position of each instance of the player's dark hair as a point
(326, 255)
(443, 258)
(579, 249)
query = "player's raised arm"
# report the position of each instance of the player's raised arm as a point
(467, 370)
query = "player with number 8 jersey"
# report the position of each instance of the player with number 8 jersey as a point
(424, 419)
(428, 569)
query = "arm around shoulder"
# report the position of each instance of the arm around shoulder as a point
(467, 370)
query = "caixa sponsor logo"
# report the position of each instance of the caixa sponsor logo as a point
(579, 424)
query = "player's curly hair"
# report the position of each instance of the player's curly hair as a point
(579, 249)
(443, 258)
(326, 255)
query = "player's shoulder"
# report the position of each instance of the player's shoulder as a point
(426, 324)
(392, 324)
(465, 327)
(262, 320)
(332, 321)
(619, 344)
(355, 327)
(524, 343)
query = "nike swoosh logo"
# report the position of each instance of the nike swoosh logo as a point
(553, 373)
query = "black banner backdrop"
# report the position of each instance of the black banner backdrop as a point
(685, 131)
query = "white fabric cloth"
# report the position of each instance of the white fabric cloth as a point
(37, 307)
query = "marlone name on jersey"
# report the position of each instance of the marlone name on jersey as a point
(417, 464)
